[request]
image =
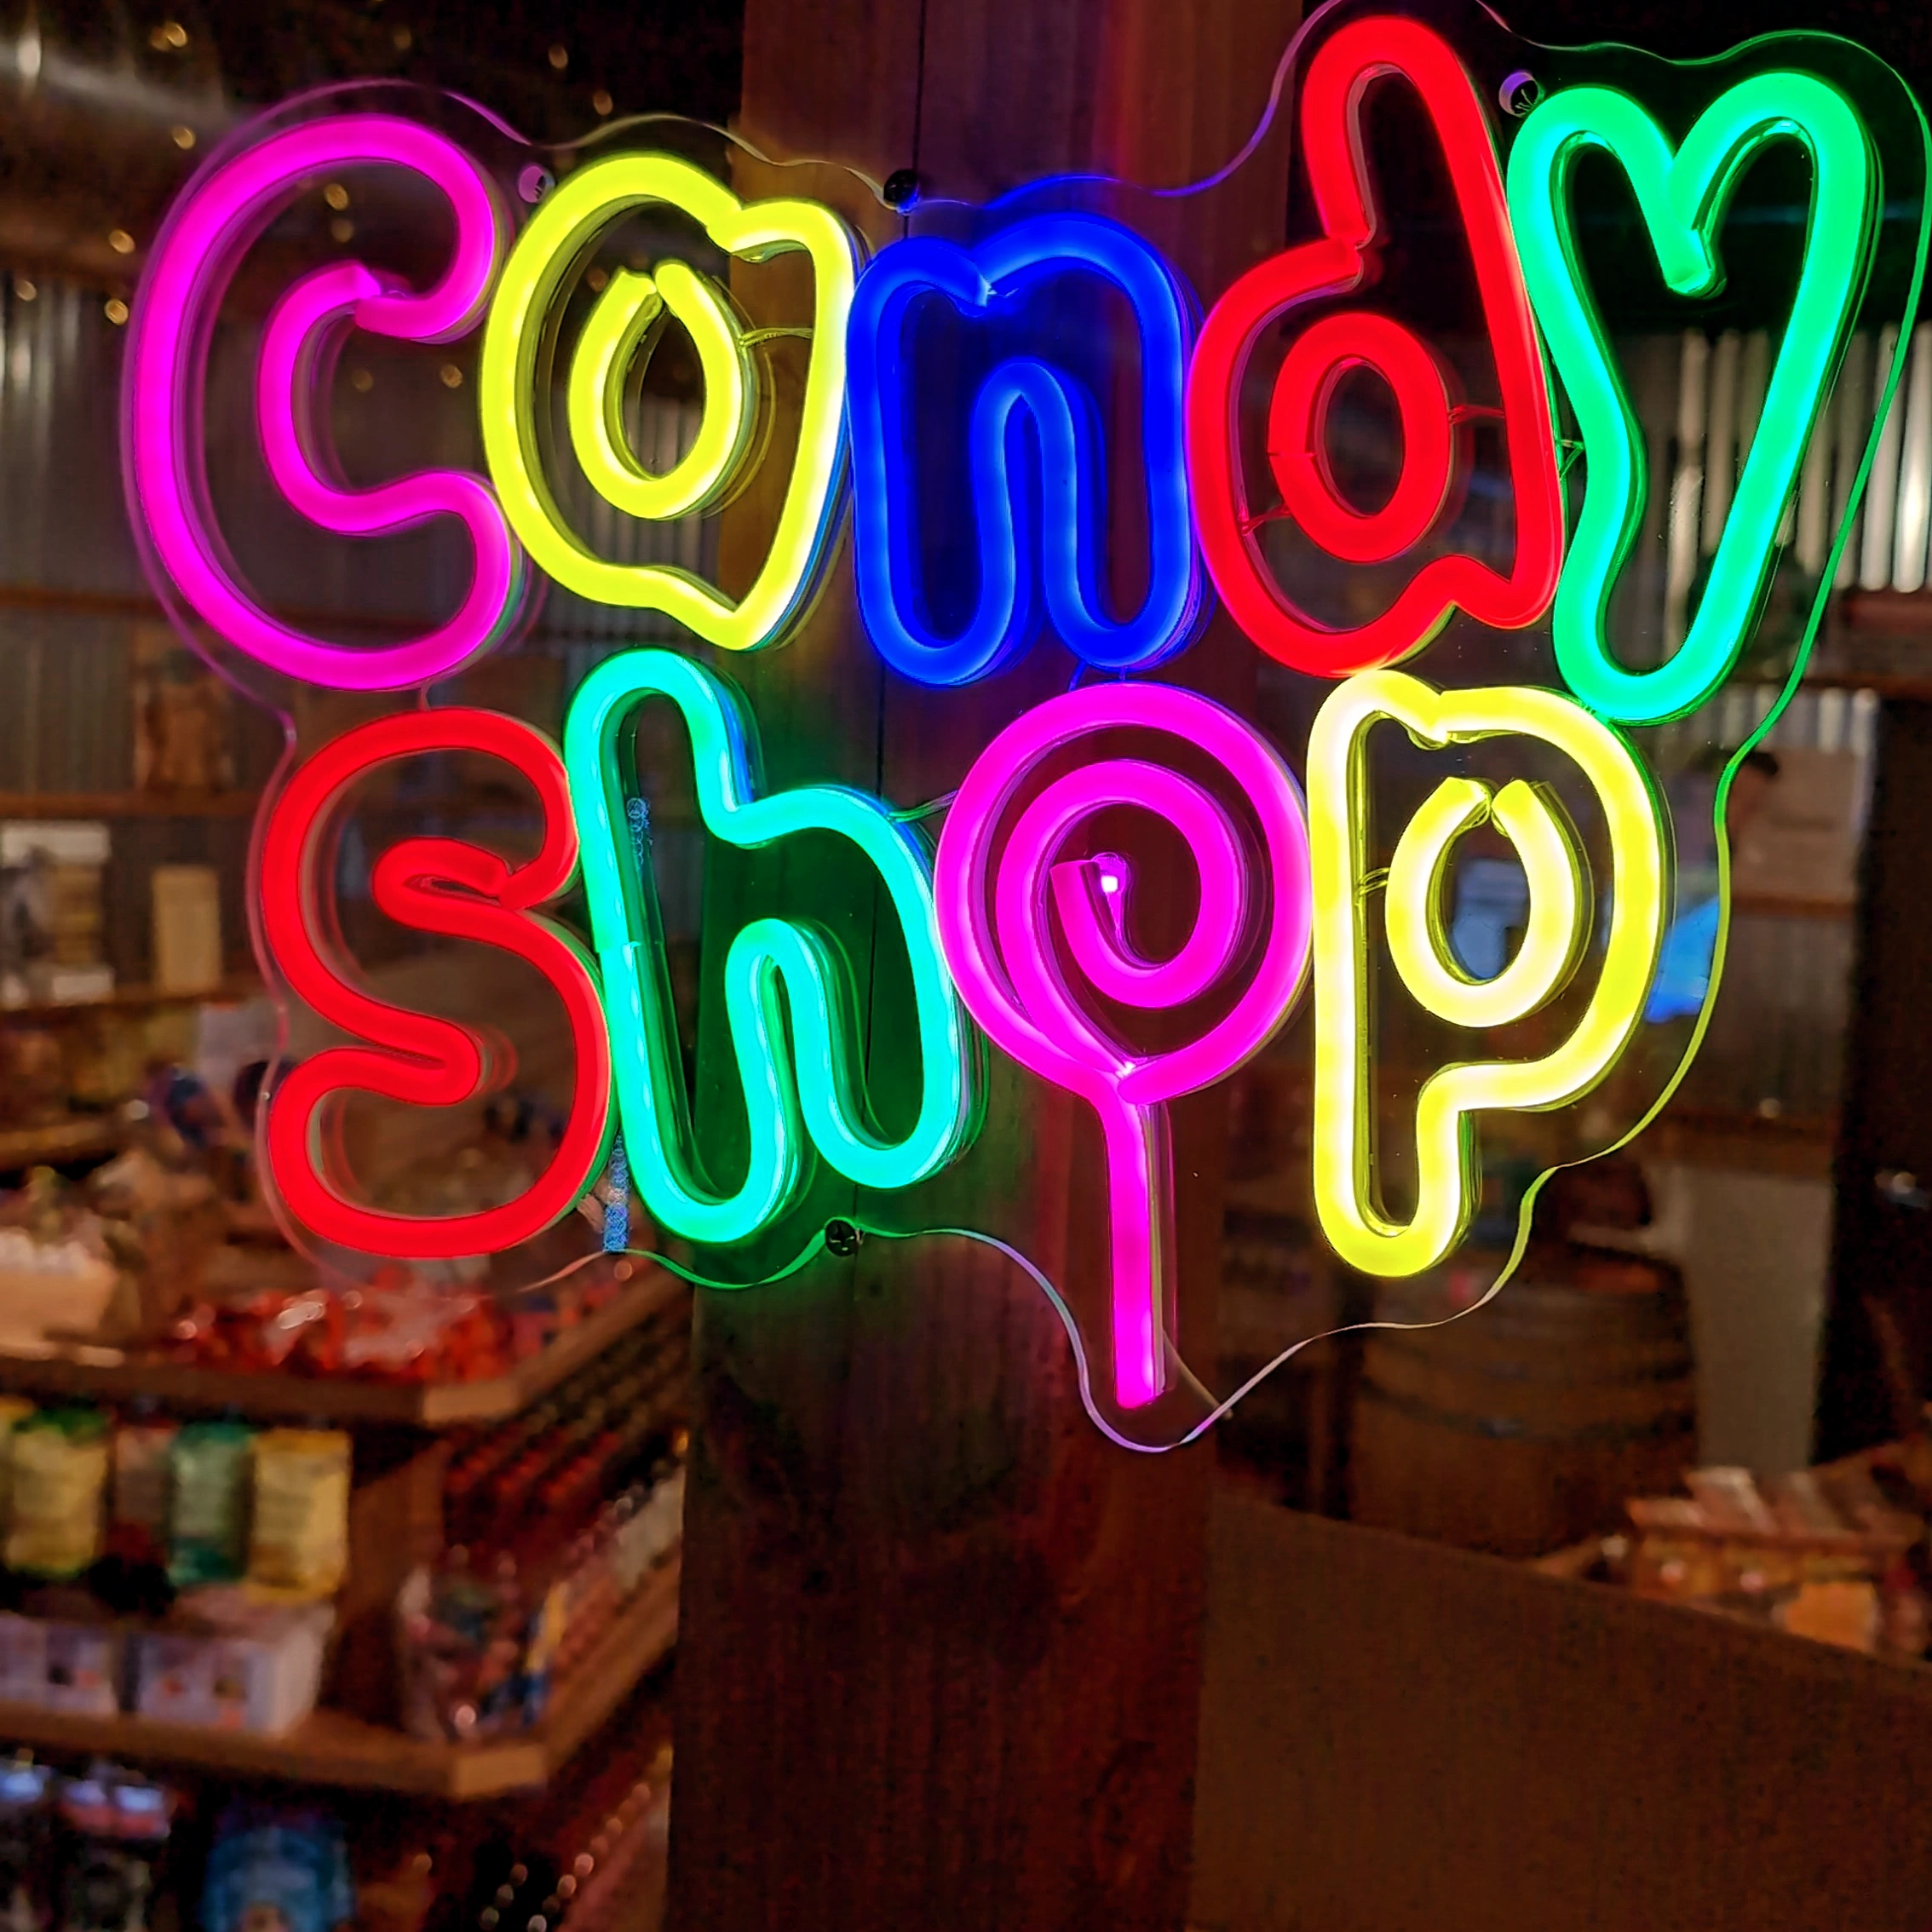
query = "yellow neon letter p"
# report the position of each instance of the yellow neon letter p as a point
(1447, 1165)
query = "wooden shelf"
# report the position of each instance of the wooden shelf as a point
(323, 1398)
(129, 804)
(59, 1140)
(234, 987)
(1792, 905)
(333, 1748)
(1797, 1146)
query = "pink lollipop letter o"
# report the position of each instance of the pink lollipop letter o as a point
(997, 932)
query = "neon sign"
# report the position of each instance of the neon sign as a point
(1339, 263)
(1069, 523)
(433, 885)
(994, 921)
(1032, 923)
(818, 1095)
(192, 262)
(1445, 1155)
(1683, 194)
(564, 221)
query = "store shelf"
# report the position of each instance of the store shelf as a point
(333, 1748)
(1792, 905)
(293, 1398)
(129, 804)
(59, 1140)
(136, 998)
(1798, 1147)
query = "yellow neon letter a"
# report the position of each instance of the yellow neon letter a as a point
(564, 223)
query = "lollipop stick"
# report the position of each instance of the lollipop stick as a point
(1137, 1212)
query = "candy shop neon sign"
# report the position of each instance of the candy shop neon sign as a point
(998, 930)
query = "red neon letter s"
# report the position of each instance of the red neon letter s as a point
(1336, 264)
(433, 885)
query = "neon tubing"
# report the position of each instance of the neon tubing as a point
(1684, 195)
(994, 923)
(1447, 1163)
(223, 213)
(623, 314)
(995, 279)
(433, 885)
(1317, 360)
(547, 249)
(816, 1091)
(1533, 821)
(1338, 263)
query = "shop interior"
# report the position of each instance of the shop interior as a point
(360, 1588)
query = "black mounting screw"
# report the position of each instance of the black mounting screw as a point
(842, 1239)
(1519, 93)
(534, 183)
(901, 188)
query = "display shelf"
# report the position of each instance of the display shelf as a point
(104, 1375)
(59, 1140)
(1792, 905)
(333, 1748)
(230, 987)
(1799, 1147)
(129, 804)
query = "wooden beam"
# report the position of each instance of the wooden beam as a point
(939, 1659)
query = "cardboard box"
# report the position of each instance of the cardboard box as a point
(1401, 1737)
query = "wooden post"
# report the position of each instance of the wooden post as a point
(938, 1656)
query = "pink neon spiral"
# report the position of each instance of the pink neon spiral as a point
(996, 933)
(220, 218)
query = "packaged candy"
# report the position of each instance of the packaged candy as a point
(60, 1470)
(274, 1869)
(23, 1659)
(26, 1850)
(14, 1411)
(118, 1828)
(209, 1540)
(299, 1537)
(144, 1483)
(83, 1670)
(233, 1663)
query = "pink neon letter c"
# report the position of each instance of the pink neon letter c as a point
(190, 264)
